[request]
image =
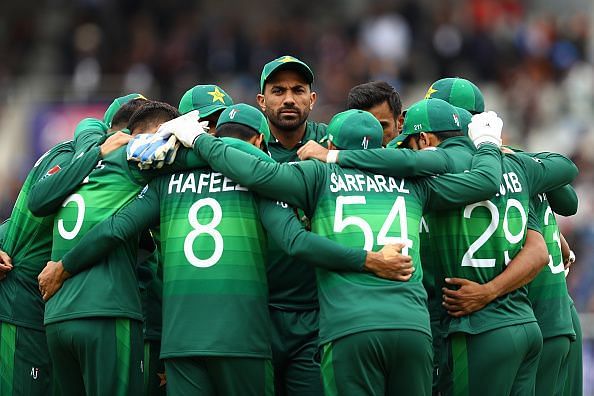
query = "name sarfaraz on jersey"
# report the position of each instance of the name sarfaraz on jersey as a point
(366, 183)
(213, 181)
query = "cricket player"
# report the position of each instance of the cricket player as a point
(25, 362)
(286, 98)
(213, 262)
(94, 334)
(383, 101)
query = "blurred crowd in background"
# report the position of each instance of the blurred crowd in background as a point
(533, 61)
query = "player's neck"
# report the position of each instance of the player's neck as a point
(288, 139)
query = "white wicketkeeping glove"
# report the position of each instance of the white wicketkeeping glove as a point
(485, 128)
(186, 128)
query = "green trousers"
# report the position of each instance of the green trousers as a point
(217, 376)
(378, 362)
(574, 384)
(25, 367)
(96, 356)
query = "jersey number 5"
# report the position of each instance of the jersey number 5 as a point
(398, 209)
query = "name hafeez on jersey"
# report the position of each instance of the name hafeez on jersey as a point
(214, 181)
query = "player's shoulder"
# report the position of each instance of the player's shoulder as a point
(315, 130)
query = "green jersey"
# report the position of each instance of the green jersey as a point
(150, 279)
(292, 285)
(548, 291)
(213, 249)
(363, 210)
(476, 242)
(28, 237)
(408, 163)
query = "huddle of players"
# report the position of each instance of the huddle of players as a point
(226, 285)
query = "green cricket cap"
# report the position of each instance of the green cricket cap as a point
(355, 130)
(247, 115)
(430, 115)
(458, 92)
(116, 104)
(286, 62)
(465, 117)
(206, 99)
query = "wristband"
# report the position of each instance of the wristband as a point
(332, 156)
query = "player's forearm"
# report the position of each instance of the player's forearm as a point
(524, 266)
(88, 133)
(478, 184)
(106, 236)
(46, 196)
(289, 234)
(563, 201)
(558, 171)
(272, 180)
(395, 162)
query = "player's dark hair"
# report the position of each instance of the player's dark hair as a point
(365, 96)
(235, 130)
(150, 113)
(441, 136)
(122, 117)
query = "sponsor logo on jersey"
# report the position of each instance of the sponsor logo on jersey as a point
(34, 372)
(53, 170)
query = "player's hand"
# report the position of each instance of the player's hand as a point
(485, 128)
(312, 149)
(114, 142)
(470, 296)
(5, 264)
(569, 260)
(51, 279)
(186, 128)
(389, 263)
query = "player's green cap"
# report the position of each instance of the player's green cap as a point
(465, 117)
(286, 62)
(428, 115)
(116, 104)
(247, 115)
(458, 92)
(206, 99)
(355, 130)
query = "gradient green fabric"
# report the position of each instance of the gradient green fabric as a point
(458, 92)
(477, 241)
(574, 384)
(111, 185)
(353, 207)
(548, 290)
(285, 62)
(206, 99)
(355, 129)
(28, 242)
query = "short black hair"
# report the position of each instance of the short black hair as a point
(239, 131)
(122, 117)
(150, 112)
(447, 134)
(365, 96)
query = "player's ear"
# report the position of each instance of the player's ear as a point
(261, 101)
(312, 100)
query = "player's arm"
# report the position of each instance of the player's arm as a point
(471, 296)
(128, 222)
(480, 183)
(394, 162)
(288, 233)
(548, 171)
(88, 133)
(48, 193)
(563, 200)
(290, 183)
